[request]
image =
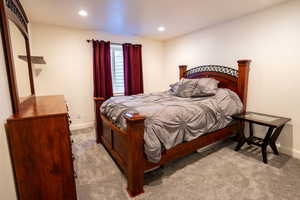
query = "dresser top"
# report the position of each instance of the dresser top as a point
(42, 106)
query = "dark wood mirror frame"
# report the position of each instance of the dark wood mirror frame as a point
(13, 10)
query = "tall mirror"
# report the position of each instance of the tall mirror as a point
(15, 37)
(18, 44)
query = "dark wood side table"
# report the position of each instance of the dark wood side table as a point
(275, 125)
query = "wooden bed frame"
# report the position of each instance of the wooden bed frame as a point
(127, 146)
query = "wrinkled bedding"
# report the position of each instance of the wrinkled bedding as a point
(171, 120)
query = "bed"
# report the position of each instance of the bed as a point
(127, 139)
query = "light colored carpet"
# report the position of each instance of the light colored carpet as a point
(216, 173)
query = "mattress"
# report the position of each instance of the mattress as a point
(171, 120)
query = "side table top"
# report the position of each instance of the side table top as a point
(262, 119)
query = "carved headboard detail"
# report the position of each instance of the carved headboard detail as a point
(212, 68)
(236, 80)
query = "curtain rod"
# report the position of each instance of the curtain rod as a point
(110, 43)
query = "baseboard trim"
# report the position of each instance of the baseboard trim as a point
(292, 152)
(74, 127)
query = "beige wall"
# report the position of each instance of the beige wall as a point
(69, 65)
(7, 190)
(271, 39)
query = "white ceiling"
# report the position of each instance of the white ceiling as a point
(142, 17)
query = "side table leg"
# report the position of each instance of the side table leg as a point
(251, 133)
(274, 139)
(265, 144)
(240, 136)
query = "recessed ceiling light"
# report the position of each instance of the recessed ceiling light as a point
(161, 29)
(82, 13)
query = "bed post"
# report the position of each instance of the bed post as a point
(98, 103)
(135, 168)
(182, 70)
(244, 66)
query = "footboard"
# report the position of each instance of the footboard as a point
(125, 146)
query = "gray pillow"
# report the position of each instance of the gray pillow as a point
(185, 87)
(195, 87)
(173, 87)
(205, 87)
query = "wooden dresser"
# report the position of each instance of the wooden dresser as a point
(40, 148)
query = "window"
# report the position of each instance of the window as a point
(117, 69)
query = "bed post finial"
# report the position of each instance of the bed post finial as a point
(244, 66)
(182, 70)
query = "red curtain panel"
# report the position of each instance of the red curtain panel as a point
(102, 70)
(133, 72)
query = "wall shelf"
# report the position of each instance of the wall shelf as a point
(39, 60)
(34, 59)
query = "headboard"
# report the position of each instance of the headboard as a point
(236, 80)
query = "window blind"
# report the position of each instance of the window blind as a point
(117, 65)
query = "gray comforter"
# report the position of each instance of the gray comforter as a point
(170, 120)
